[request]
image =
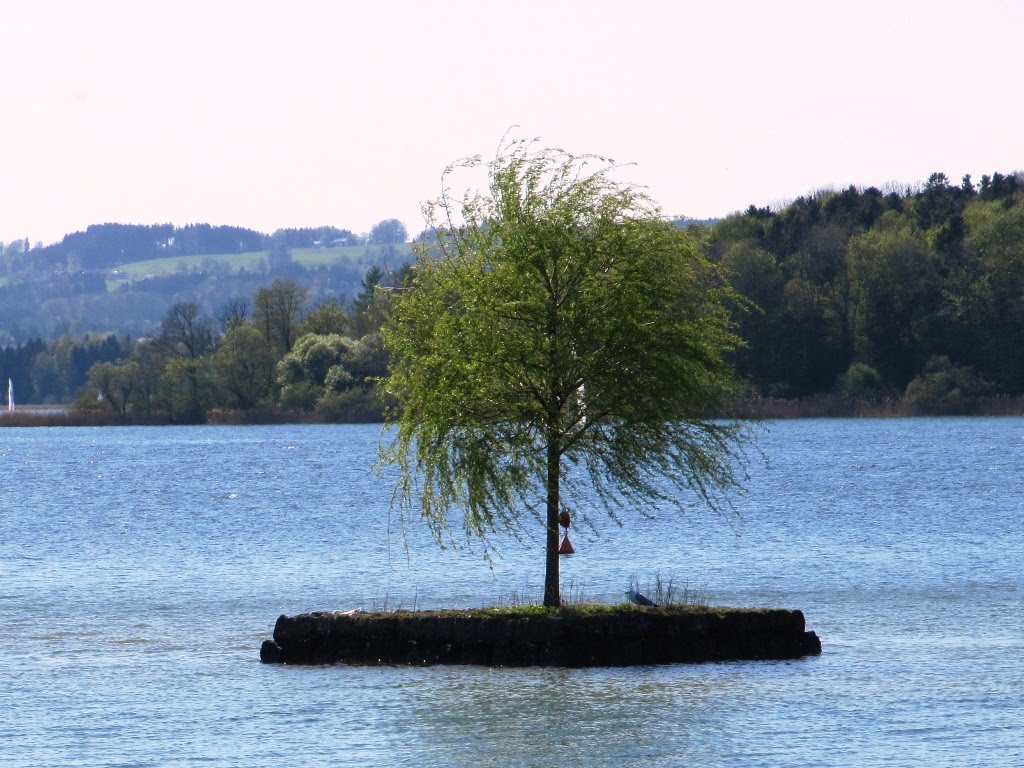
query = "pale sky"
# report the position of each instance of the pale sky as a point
(295, 114)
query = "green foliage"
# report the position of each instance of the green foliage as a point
(243, 368)
(278, 313)
(896, 280)
(370, 306)
(756, 274)
(890, 280)
(325, 318)
(332, 373)
(994, 308)
(355, 404)
(300, 395)
(945, 388)
(861, 382)
(313, 359)
(54, 372)
(566, 325)
(836, 277)
(114, 385)
(388, 232)
(187, 389)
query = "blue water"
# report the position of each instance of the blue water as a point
(141, 568)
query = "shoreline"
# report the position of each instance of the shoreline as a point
(57, 416)
(767, 409)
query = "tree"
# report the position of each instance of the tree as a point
(895, 279)
(234, 312)
(995, 305)
(387, 232)
(367, 312)
(116, 384)
(47, 381)
(151, 361)
(757, 276)
(243, 367)
(186, 332)
(326, 317)
(187, 389)
(278, 313)
(566, 325)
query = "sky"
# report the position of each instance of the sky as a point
(299, 114)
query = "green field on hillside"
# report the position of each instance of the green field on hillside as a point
(306, 257)
(139, 270)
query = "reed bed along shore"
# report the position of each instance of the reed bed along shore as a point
(820, 407)
(831, 406)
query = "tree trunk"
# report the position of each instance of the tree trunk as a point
(552, 596)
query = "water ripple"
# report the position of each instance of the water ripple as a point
(135, 604)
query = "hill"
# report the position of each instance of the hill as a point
(249, 261)
(122, 278)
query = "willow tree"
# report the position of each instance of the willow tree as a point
(559, 342)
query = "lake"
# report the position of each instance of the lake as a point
(141, 568)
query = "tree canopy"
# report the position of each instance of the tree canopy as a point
(894, 282)
(568, 344)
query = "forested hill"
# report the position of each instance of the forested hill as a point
(872, 295)
(122, 278)
(912, 295)
(102, 246)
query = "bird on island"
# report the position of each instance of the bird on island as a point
(637, 599)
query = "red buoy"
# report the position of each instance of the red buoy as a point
(565, 546)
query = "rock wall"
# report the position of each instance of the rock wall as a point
(560, 638)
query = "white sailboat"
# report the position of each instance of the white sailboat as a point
(10, 395)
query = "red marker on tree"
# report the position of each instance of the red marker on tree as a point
(565, 546)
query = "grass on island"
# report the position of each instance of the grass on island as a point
(669, 597)
(579, 610)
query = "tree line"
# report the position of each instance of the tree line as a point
(915, 294)
(912, 295)
(55, 372)
(273, 352)
(102, 246)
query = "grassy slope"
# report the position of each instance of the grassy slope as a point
(307, 257)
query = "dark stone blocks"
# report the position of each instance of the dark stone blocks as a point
(567, 638)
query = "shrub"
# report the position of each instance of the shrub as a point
(861, 382)
(944, 388)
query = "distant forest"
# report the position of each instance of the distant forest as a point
(913, 296)
(916, 294)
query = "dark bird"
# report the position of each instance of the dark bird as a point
(637, 599)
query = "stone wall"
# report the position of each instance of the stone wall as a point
(566, 638)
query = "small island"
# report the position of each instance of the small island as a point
(564, 344)
(575, 636)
